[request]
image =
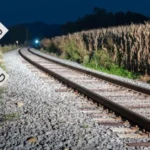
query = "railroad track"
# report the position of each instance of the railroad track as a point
(126, 100)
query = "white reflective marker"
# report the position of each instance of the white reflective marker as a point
(3, 30)
(3, 76)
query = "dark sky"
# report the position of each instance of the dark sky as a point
(60, 11)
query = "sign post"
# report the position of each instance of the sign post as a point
(3, 74)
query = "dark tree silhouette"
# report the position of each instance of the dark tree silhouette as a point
(101, 18)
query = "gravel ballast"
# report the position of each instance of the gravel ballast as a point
(47, 120)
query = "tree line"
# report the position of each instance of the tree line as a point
(100, 18)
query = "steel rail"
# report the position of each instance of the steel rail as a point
(124, 112)
(109, 79)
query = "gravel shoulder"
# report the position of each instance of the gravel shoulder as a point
(47, 120)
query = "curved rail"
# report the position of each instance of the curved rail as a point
(124, 112)
(108, 79)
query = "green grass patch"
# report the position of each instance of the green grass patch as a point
(5, 116)
(99, 60)
(84, 126)
(11, 117)
(8, 117)
(3, 66)
(115, 70)
(1, 92)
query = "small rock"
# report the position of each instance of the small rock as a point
(32, 139)
(109, 147)
(66, 148)
(19, 104)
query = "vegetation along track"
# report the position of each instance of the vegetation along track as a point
(130, 101)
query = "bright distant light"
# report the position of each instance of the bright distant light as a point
(36, 41)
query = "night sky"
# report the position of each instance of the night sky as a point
(60, 11)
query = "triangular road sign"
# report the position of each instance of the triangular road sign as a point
(3, 30)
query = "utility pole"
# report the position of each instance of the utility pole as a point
(17, 42)
(27, 38)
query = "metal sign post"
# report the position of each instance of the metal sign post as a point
(3, 74)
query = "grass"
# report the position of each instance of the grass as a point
(6, 117)
(115, 70)
(8, 48)
(1, 92)
(1, 60)
(100, 61)
(3, 66)
(3, 50)
(84, 126)
(11, 117)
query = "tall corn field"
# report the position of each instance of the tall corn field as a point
(127, 46)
